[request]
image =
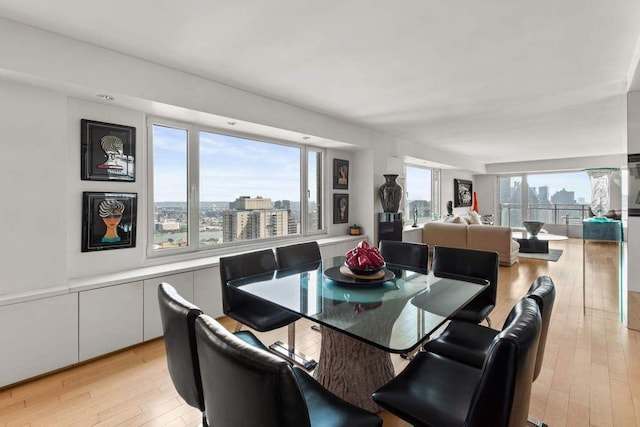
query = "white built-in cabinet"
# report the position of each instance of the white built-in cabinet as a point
(38, 336)
(207, 293)
(110, 318)
(183, 283)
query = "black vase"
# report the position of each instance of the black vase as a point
(390, 194)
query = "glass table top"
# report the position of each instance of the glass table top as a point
(395, 315)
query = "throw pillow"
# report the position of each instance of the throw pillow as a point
(454, 220)
(474, 218)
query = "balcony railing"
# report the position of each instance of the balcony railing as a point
(511, 214)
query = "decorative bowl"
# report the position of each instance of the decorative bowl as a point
(532, 227)
(364, 271)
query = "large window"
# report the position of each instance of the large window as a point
(553, 198)
(212, 189)
(422, 193)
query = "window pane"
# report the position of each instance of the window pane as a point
(510, 200)
(418, 183)
(170, 190)
(248, 189)
(555, 198)
(314, 190)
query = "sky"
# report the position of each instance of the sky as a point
(418, 183)
(578, 182)
(229, 167)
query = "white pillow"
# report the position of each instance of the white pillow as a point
(474, 218)
(454, 220)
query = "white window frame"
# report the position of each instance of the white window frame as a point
(193, 182)
(435, 194)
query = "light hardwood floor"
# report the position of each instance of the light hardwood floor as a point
(590, 376)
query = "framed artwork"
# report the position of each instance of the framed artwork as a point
(340, 208)
(340, 174)
(634, 184)
(108, 151)
(462, 193)
(108, 221)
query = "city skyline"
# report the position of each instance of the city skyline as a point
(578, 182)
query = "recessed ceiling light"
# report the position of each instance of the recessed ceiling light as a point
(105, 97)
(306, 137)
(231, 123)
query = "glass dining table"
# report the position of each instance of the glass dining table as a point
(363, 321)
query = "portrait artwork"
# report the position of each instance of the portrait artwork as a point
(108, 151)
(340, 174)
(340, 208)
(108, 221)
(462, 193)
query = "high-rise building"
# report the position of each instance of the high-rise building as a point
(563, 196)
(543, 194)
(254, 218)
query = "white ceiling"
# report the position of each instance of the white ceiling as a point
(497, 81)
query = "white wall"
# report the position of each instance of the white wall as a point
(81, 264)
(485, 187)
(446, 182)
(34, 203)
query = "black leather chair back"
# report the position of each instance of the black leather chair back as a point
(178, 323)
(243, 265)
(470, 263)
(246, 386)
(414, 256)
(297, 255)
(502, 396)
(543, 291)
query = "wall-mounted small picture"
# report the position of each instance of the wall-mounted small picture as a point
(108, 151)
(340, 174)
(462, 193)
(108, 221)
(340, 208)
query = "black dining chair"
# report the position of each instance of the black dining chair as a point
(253, 312)
(414, 256)
(469, 343)
(293, 256)
(178, 323)
(246, 386)
(451, 262)
(435, 391)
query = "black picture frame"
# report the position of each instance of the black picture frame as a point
(340, 208)
(107, 151)
(98, 208)
(462, 193)
(340, 174)
(634, 184)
